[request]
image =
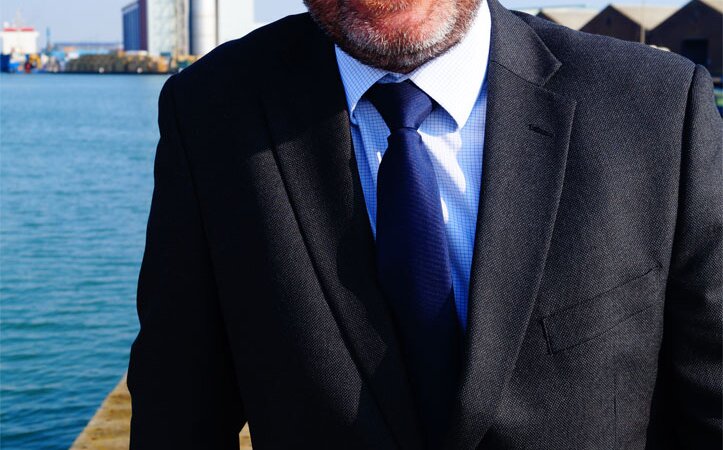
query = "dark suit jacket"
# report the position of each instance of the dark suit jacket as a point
(595, 300)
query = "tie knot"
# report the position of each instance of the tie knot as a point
(401, 105)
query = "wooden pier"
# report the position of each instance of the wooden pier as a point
(110, 428)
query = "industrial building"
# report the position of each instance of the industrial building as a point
(159, 27)
(696, 32)
(628, 22)
(133, 31)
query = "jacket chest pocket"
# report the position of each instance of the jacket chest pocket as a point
(594, 317)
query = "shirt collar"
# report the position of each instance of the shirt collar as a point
(453, 79)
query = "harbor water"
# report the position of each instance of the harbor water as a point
(76, 157)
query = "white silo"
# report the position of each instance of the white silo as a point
(204, 26)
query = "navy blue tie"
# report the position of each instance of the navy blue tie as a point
(413, 265)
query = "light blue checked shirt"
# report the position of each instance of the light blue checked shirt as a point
(453, 134)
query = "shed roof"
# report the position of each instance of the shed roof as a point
(647, 16)
(573, 18)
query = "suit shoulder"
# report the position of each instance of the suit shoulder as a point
(603, 59)
(242, 62)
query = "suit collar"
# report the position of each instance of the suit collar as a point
(453, 79)
(517, 48)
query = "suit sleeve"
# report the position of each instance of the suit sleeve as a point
(181, 376)
(692, 339)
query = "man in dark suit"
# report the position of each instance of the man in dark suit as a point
(424, 224)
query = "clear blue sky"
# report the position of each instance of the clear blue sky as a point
(100, 20)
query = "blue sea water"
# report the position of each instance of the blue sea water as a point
(76, 156)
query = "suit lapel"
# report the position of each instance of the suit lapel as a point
(527, 134)
(526, 140)
(306, 112)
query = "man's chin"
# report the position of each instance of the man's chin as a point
(386, 58)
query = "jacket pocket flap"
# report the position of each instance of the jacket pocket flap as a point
(592, 317)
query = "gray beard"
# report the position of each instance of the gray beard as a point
(402, 53)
